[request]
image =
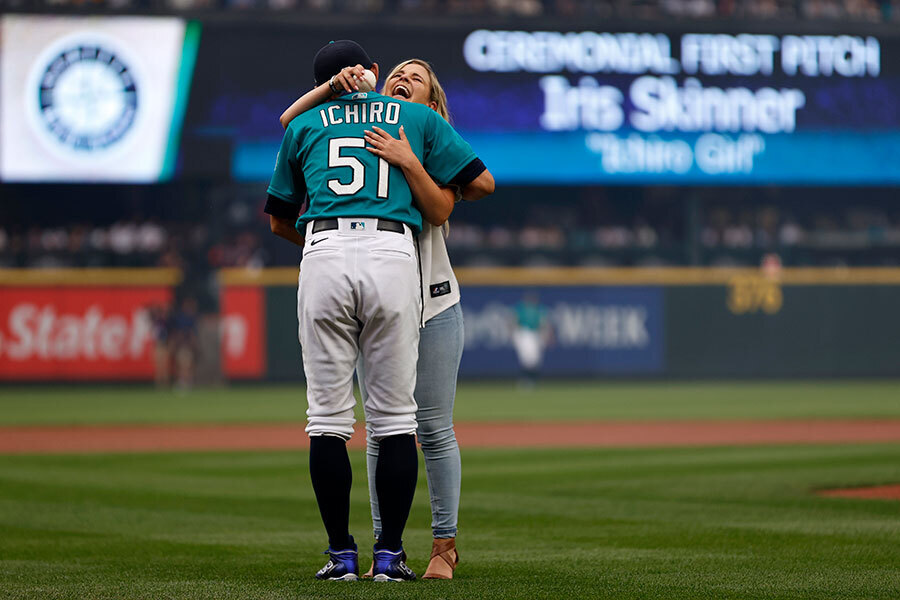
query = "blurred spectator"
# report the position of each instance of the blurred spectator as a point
(183, 342)
(691, 8)
(531, 335)
(161, 323)
(834, 10)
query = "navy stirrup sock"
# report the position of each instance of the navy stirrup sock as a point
(395, 483)
(329, 469)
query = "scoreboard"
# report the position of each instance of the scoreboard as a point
(570, 106)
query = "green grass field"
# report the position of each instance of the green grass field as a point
(668, 524)
(475, 402)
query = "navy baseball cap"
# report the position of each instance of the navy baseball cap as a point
(334, 56)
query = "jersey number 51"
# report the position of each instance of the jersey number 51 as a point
(335, 159)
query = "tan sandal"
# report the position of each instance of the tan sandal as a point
(368, 574)
(444, 559)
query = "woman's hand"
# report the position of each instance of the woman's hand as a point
(343, 82)
(346, 79)
(396, 151)
(435, 203)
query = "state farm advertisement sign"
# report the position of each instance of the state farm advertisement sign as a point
(243, 335)
(77, 332)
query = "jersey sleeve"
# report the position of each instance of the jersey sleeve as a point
(445, 153)
(469, 173)
(279, 208)
(287, 181)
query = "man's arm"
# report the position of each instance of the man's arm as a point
(286, 189)
(284, 228)
(283, 218)
(474, 180)
(481, 186)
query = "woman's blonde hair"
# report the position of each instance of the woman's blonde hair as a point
(437, 92)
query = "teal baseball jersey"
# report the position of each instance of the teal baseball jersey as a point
(323, 156)
(530, 316)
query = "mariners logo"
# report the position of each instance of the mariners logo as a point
(87, 97)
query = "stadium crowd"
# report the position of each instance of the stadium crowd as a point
(727, 237)
(828, 10)
(594, 228)
(127, 243)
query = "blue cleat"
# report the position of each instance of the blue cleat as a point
(390, 566)
(342, 565)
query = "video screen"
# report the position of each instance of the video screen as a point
(93, 99)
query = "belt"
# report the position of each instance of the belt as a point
(383, 225)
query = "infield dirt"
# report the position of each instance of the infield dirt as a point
(139, 438)
(878, 492)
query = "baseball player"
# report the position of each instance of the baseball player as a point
(441, 338)
(530, 337)
(359, 294)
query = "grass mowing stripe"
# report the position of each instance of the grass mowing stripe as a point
(684, 523)
(552, 400)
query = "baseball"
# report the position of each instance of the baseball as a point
(367, 83)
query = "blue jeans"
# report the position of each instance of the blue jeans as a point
(440, 350)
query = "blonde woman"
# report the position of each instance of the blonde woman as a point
(441, 339)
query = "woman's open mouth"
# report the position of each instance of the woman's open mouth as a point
(400, 90)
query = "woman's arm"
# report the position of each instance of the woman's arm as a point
(434, 202)
(345, 80)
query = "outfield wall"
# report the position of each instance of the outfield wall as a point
(81, 325)
(674, 322)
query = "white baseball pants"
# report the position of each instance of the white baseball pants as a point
(359, 295)
(529, 347)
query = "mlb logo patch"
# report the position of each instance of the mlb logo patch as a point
(358, 225)
(440, 289)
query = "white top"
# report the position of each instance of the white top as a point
(440, 290)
